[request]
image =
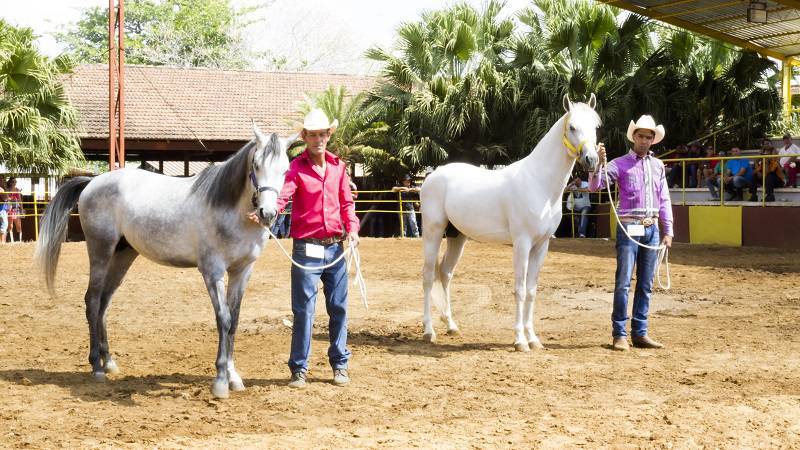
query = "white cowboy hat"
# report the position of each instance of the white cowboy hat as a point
(646, 123)
(316, 119)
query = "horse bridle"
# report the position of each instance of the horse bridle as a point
(573, 151)
(259, 189)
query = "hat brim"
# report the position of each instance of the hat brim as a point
(658, 131)
(332, 127)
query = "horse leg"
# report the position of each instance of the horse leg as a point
(432, 239)
(521, 252)
(535, 262)
(100, 255)
(120, 263)
(455, 248)
(237, 280)
(213, 275)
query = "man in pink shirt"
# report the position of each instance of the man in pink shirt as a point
(645, 211)
(323, 216)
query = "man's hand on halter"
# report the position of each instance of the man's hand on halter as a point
(667, 241)
(353, 238)
(252, 215)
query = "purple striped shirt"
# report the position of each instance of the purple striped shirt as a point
(643, 189)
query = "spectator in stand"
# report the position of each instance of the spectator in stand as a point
(3, 212)
(789, 163)
(738, 175)
(407, 192)
(692, 167)
(581, 204)
(713, 182)
(705, 172)
(674, 170)
(15, 211)
(774, 177)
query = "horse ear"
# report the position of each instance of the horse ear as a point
(567, 103)
(592, 101)
(261, 140)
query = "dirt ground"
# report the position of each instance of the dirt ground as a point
(729, 377)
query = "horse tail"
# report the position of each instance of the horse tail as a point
(53, 228)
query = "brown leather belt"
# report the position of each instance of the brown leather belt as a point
(326, 241)
(647, 221)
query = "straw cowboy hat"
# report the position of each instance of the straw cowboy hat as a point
(646, 123)
(316, 119)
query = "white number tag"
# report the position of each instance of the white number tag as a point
(636, 230)
(317, 251)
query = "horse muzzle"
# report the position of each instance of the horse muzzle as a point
(267, 217)
(589, 162)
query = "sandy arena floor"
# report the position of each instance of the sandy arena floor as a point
(730, 376)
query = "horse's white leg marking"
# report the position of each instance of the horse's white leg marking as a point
(522, 249)
(237, 280)
(535, 262)
(216, 290)
(432, 239)
(455, 248)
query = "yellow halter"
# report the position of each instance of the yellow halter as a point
(571, 149)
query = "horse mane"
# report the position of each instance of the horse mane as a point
(222, 185)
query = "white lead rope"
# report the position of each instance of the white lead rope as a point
(663, 251)
(355, 256)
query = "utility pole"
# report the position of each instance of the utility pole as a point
(116, 85)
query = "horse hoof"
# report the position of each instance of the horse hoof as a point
(454, 332)
(220, 390)
(536, 345)
(522, 347)
(99, 377)
(111, 368)
(237, 385)
(429, 337)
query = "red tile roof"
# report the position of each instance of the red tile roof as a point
(170, 103)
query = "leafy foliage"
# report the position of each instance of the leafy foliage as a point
(184, 33)
(37, 122)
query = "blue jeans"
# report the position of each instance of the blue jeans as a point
(410, 224)
(584, 220)
(629, 255)
(304, 299)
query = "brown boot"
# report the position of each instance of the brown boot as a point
(645, 342)
(620, 344)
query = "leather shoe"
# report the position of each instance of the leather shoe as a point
(645, 342)
(620, 344)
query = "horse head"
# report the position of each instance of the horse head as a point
(580, 131)
(269, 164)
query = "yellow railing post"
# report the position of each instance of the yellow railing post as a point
(683, 181)
(722, 182)
(402, 227)
(763, 181)
(35, 217)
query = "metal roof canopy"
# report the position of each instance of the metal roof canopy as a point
(726, 20)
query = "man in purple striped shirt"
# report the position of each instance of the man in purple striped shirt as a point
(643, 204)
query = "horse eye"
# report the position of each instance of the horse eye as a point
(572, 128)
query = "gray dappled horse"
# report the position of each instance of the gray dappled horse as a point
(181, 222)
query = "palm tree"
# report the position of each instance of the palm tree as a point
(37, 123)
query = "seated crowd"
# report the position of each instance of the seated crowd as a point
(742, 177)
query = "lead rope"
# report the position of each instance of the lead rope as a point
(663, 251)
(355, 257)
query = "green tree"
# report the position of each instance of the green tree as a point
(184, 33)
(37, 122)
(358, 138)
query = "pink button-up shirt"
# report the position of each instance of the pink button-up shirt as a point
(643, 188)
(322, 206)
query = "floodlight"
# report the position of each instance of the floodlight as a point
(757, 12)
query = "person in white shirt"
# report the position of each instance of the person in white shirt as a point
(581, 204)
(789, 163)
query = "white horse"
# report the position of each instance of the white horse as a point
(181, 222)
(519, 205)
